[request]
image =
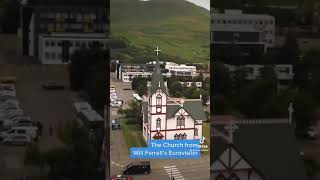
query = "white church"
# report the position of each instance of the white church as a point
(170, 118)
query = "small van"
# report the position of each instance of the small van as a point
(142, 167)
(30, 131)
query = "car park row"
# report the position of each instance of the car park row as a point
(17, 128)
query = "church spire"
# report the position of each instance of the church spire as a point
(157, 81)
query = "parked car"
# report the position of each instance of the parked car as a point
(17, 140)
(115, 124)
(30, 131)
(121, 177)
(18, 121)
(142, 167)
(53, 86)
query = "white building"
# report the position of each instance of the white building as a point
(189, 84)
(51, 45)
(168, 118)
(283, 71)
(50, 31)
(234, 27)
(128, 76)
(181, 70)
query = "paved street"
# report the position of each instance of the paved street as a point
(188, 169)
(48, 107)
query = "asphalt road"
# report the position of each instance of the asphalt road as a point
(187, 169)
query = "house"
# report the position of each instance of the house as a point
(170, 118)
(254, 149)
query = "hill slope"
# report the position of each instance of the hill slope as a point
(178, 27)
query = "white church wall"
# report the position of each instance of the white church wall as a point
(199, 131)
(189, 133)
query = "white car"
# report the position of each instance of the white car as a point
(18, 121)
(17, 140)
(30, 131)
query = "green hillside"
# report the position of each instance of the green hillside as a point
(179, 28)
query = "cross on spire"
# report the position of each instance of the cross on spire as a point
(157, 50)
(231, 127)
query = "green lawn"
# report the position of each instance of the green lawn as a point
(132, 135)
(177, 27)
(206, 133)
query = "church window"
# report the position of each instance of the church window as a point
(184, 136)
(159, 100)
(196, 132)
(234, 177)
(159, 123)
(176, 136)
(180, 121)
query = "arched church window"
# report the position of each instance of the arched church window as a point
(234, 177)
(196, 132)
(176, 136)
(180, 121)
(184, 136)
(158, 125)
(159, 100)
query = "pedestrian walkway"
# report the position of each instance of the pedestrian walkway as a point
(173, 171)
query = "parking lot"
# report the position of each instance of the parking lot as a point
(50, 107)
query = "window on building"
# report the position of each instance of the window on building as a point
(159, 100)
(47, 43)
(59, 56)
(184, 136)
(53, 55)
(52, 43)
(196, 132)
(177, 136)
(47, 55)
(77, 44)
(158, 125)
(180, 121)
(59, 43)
(234, 177)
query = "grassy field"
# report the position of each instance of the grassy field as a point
(131, 134)
(178, 27)
(206, 133)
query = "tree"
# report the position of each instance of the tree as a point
(11, 16)
(290, 52)
(137, 81)
(205, 97)
(142, 89)
(222, 82)
(176, 89)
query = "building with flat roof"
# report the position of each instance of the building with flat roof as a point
(235, 27)
(51, 30)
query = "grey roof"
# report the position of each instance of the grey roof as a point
(157, 79)
(145, 111)
(194, 109)
(271, 148)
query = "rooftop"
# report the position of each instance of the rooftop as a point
(271, 148)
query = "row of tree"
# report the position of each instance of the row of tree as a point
(77, 159)
(87, 72)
